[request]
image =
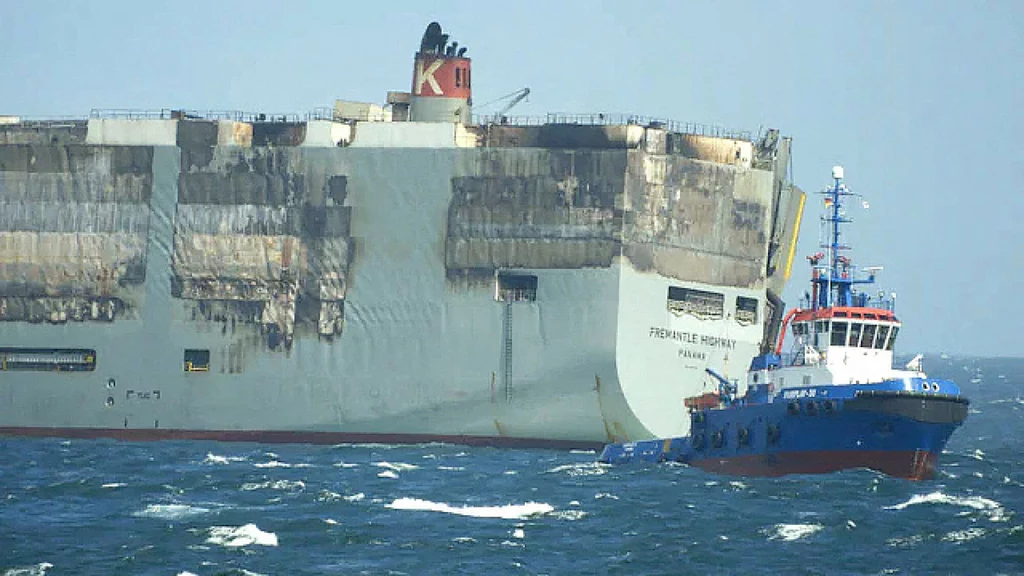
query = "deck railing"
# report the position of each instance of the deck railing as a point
(600, 119)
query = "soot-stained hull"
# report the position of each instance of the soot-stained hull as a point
(357, 277)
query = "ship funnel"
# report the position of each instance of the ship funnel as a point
(441, 82)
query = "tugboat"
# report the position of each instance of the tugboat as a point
(834, 402)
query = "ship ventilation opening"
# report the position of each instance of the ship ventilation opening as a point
(746, 310)
(48, 359)
(516, 288)
(197, 360)
(699, 303)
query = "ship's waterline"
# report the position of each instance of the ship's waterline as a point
(378, 279)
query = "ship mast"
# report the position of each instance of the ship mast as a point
(835, 287)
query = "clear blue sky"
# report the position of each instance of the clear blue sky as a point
(920, 101)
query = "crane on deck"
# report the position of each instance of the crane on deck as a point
(513, 99)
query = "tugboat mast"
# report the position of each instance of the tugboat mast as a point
(835, 287)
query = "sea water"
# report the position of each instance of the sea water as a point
(178, 508)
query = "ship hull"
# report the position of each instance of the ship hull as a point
(362, 293)
(908, 464)
(295, 437)
(897, 434)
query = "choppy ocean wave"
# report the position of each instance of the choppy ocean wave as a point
(201, 508)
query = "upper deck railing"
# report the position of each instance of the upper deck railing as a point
(182, 114)
(326, 113)
(601, 119)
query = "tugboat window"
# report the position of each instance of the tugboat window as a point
(892, 338)
(839, 333)
(868, 339)
(883, 335)
(854, 334)
(197, 360)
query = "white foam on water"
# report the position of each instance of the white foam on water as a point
(397, 466)
(851, 524)
(964, 535)
(571, 515)
(114, 485)
(508, 512)
(327, 496)
(908, 542)
(37, 570)
(186, 573)
(357, 497)
(738, 485)
(464, 540)
(212, 458)
(519, 533)
(993, 509)
(170, 511)
(592, 452)
(977, 455)
(510, 472)
(451, 468)
(792, 532)
(601, 495)
(240, 536)
(582, 469)
(345, 465)
(279, 464)
(330, 521)
(286, 485)
(387, 474)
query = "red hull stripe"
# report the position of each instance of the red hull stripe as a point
(910, 464)
(295, 437)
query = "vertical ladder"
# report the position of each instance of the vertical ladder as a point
(508, 350)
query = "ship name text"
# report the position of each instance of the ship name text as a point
(804, 393)
(684, 337)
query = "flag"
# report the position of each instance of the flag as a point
(828, 201)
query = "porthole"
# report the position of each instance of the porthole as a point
(111, 383)
(110, 401)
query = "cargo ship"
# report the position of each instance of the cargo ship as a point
(398, 272)
(834, 402)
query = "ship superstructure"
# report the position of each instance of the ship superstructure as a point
(402, 272)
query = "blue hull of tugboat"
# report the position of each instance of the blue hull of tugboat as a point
(897, 427)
